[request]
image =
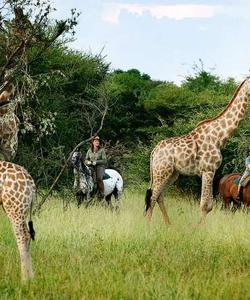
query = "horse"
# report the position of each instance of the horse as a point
(228, 189)
(85, 187)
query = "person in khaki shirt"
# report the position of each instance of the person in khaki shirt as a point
(246, 172)
(96, 159)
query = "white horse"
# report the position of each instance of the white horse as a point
(85, 187)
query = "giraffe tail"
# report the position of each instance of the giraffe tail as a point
(31, 230)
(149, 190)
(30, 223)
(148, 199)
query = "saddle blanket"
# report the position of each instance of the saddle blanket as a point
(244, 182)
(105, 176)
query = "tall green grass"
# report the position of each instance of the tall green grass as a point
(95, 254)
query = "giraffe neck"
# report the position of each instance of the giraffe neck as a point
(224, 125)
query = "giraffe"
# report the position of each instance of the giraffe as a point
(9, 123)
(196, 153)
(17, 191)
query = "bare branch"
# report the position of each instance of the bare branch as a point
(66, 163)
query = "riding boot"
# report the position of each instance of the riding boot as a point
(100, 189)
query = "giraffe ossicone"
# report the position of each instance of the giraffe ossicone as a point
(17, 191)
(195, 153)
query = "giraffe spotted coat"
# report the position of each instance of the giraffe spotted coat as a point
(196, 153)
(17, 191)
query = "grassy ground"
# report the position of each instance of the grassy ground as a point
(94, 254)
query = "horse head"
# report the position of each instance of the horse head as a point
(76, 159)
(83, 177)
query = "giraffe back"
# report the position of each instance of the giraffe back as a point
(17, 188)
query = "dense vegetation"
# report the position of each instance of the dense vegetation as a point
(141, 112)
(61, 95)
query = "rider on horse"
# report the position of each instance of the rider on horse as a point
(246, 172)
(96, 159)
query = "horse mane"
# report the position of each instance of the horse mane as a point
(85, 169)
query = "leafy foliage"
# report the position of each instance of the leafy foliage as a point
(61, 93)
(54, 121)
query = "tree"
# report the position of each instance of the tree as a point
(67, 109)
(126, 112)
(26, 32)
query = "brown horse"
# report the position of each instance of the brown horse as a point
(229, 189)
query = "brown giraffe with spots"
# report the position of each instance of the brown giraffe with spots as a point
(9, 123)
(196, 153)
(17, 190)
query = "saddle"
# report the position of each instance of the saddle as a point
(244, 183)
(105, 176)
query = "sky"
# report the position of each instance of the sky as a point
(165, 39)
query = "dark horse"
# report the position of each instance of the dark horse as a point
(228, 188)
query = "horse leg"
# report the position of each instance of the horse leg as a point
(236, 205)
(226, 203)
(79, 197)
(118, 199)
(108, 200)
(89, 200)
(117, 192)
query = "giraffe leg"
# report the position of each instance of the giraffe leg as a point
(157, 194)
(163, 210)
(206, 203)
(22, 236)
(160, 201)
(157, 197)
(150, 211)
